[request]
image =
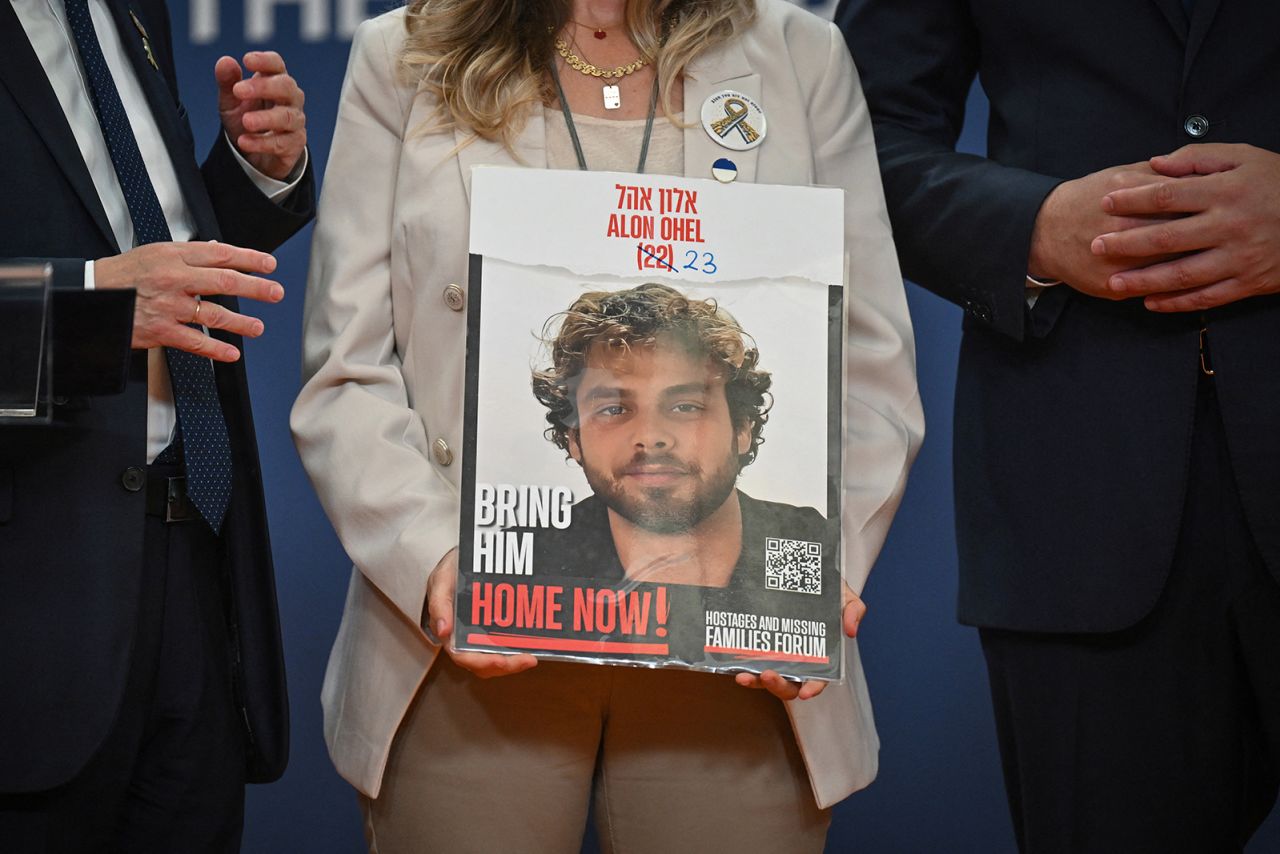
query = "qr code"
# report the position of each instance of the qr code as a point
(792, 565)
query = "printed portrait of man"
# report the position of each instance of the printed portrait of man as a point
(661, 401)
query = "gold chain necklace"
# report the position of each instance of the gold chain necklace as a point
(579, 64)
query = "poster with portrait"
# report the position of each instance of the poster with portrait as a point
(652, 470)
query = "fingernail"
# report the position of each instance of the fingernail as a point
(259, 328)
(1098, 246)
(1108, 204)
(1116, 283)
(440, 627)
(277, 293)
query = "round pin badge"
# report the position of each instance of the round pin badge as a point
(733, 120)
(724, 170)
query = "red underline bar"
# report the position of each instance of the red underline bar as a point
(566, 644)
(767, 656)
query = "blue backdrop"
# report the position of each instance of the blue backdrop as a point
(939, 788)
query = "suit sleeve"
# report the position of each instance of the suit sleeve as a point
(963, 223)
(245, 216)
(884, 421)
(66, 273)
(362, 444)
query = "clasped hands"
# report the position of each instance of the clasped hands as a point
(438, 619)
(1186, 231)
(263, 118)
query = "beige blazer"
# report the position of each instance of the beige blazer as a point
(379, 420)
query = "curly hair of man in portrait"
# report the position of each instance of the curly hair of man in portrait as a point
(611, 324)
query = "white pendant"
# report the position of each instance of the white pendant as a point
(612, 97)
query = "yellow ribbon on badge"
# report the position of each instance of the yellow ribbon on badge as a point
(735, 117)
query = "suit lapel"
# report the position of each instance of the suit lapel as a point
(1175, 15)
(726, 67)
(24, 77)
(163, 104)
(1202, 17)
(530, 150)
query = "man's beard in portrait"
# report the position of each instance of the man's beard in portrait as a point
(666, 509)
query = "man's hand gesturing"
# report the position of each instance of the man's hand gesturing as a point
(262, 114)
(169, 278)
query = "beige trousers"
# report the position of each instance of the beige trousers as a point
(673, 761)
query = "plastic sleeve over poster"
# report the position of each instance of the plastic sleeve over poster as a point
(652, 466)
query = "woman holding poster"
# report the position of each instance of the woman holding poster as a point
(455, 751)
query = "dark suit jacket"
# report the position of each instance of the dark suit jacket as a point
(1073, 419)
(70, 532)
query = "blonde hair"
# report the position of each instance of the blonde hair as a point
(486, 61)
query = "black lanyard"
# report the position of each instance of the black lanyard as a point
(573, 130)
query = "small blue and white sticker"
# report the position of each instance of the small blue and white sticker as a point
(733, 120)
(724, 170)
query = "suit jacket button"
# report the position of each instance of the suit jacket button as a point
(133, 479)
(455, 298)
(1196, 126)
(443, 454)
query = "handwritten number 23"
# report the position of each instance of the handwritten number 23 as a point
(707, 266)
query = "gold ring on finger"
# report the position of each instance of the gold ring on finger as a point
(195, 318)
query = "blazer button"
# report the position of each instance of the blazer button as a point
(455, 298)
(133, 479)
(443, 454)
(1196, 126)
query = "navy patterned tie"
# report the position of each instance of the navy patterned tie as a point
(201, 426)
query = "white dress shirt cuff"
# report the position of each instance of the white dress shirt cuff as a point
(276, 191)
(1033, 282)
(1035, 286)
(88, 275)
